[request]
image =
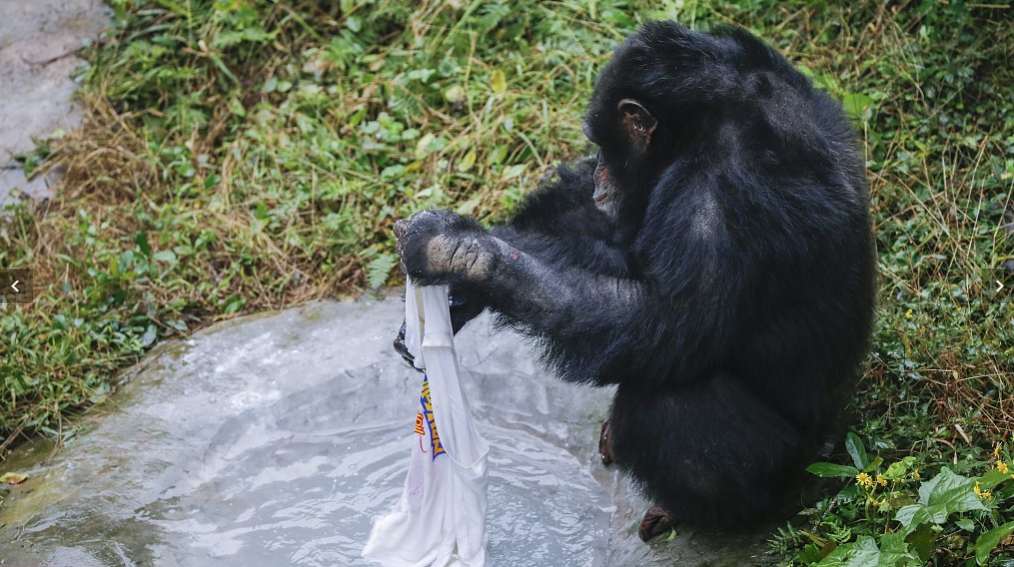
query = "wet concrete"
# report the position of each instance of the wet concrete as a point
(275, 440)
(38, 41)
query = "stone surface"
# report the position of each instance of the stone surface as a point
(38, 41)
(275, 440)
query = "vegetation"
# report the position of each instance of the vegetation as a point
(242, 155)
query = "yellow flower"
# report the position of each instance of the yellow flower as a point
(881, 480)
(996, 450)
(864, 479)
(980, 493)
(1002, 466)
(908, 314)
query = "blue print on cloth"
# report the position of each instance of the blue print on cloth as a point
(427, 415)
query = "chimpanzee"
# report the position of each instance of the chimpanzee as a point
(715, 262)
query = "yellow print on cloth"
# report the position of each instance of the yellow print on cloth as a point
(419, 424)
(427, 416)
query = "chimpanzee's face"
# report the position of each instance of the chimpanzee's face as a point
(623, 135)
(607, 194)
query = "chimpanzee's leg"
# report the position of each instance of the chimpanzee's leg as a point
(713, 452)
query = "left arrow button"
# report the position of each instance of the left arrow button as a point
(16, 286)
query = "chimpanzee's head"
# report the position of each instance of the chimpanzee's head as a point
(629, 120)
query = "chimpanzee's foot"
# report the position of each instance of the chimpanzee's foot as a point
(606, 444)
(656, 522)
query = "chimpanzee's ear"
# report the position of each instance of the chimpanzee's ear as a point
(638, 122)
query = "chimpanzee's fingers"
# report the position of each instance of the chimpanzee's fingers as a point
(401, 348)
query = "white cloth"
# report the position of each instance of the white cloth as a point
(440, 520)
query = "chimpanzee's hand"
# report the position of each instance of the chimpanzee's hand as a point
(440, 247)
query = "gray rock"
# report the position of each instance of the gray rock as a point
(38, 41)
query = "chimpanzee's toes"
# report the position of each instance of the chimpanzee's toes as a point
(606, 444)
(656, 522)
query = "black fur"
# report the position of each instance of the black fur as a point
(731, 296)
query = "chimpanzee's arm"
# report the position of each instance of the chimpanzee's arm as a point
(559, 225)
(595, 328)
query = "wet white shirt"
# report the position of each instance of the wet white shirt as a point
(440, 520)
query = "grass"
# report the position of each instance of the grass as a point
(239, 156)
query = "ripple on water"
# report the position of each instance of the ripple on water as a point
(312, 501)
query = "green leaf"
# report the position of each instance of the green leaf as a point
(945, 494)
(922, 541)
(988, 541)
(950, 488)
(173, 6)
(270, 86)
(392, 172)
(856, 450)
(498, 82)
(233, 303)
(149, 336)
(864, 552)
(874, 464)
(894, 543)
(455, 94)
(899, 470)
(498, 154)
(912, 516)
(994, 477)
(856, 105)
(468, 207)
(142, 243)
(965, 524)
(165, 256)
(827, 470)
(422, 147)
(378, 270)
(468, 161)
(514, 171)
(126, 261)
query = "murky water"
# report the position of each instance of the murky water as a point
(276, 440)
